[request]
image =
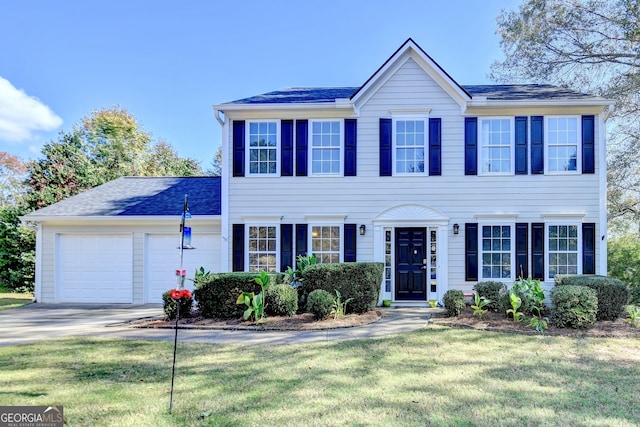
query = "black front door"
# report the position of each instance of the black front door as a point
(411, 252)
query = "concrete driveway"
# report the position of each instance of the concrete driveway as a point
(38, 322)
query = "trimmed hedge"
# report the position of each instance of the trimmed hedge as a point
(613, 295)
(635, 296)
(217, 295)
(170, 307)
(320, 303)
(357, 280)
(454, 302)
(573, 306)
(281, 300)
(493, 291)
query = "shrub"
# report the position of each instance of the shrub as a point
(217, 295)
(493, 291)
(170, 306)
(281, 300)
(635, 296)
(319, 303)
(573, 306)
(357, 280)
(454, 302)
(613, 295)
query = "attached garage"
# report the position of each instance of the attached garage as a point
(118, 243)
(95, 268)
(163, 259)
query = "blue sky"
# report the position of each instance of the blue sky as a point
(169, 62)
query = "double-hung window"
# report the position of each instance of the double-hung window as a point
(496, 145)
(326, 147)
(326, 243)
(563, 139)
(263, 148)
(410, 145)
(262, 248)
(496, 245)
(563, 249)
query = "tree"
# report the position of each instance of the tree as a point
(216, 163)
(12, 171)
(17, 251)
(591, 46)
(103, 146)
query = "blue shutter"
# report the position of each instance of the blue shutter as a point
(286, 148)
(471, 147)
(435, 147)
(301, 239)
(521, 147)
(286, 246)
(471, 252)
(302, 135)
(537, 251)
(350, 239)
(589, 248)
(237, 245)
(522, 250)
(537, 145)
(588, 145)
(238, 147)
(350, 147)
(386, 149)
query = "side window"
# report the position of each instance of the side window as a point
(563, 249)
(263, 148)
(262, 245)
(563, 143)
(326, 243)
(496, 139)
(326, 147)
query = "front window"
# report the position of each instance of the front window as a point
(262, 248)
(495, 145)
(562, 144)
(496, 252)
(325, 147)
(410, 146)
(263, 152)
(563, 249)
(325, 243)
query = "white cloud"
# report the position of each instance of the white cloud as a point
(21, 114)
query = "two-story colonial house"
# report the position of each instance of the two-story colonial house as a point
(445, 184)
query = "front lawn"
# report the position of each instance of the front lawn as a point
(12, 300)
(434, 376)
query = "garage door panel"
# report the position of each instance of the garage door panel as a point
(95, 268)
(162, 259)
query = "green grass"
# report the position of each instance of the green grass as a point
(12, 300)
(431, 377)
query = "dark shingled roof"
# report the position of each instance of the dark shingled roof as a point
(140, 196)
(302, 95)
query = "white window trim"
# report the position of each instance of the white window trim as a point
(547, 250)
(329, 223)
(246, 241)
(394, 156)
(248, 148)
(310, 148)
(579, 145)
(512, 146)
(512, 226)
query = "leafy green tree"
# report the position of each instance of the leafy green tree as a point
(12, 171)
(591, 46)
(162, 159)
(216, 163)
(17, 251)
(624, 259)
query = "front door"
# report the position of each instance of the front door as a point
(411, 256)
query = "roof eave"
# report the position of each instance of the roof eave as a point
(75, 219)
(338, 104)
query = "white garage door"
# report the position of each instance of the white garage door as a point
(162, 259)
(95, 268)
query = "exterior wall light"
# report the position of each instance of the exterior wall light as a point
(363, 229)
(456, 229)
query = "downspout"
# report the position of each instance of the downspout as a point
(602, 240)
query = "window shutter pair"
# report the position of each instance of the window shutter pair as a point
(472, 254)
(537, 145)
(287, 143)
(386, 147)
